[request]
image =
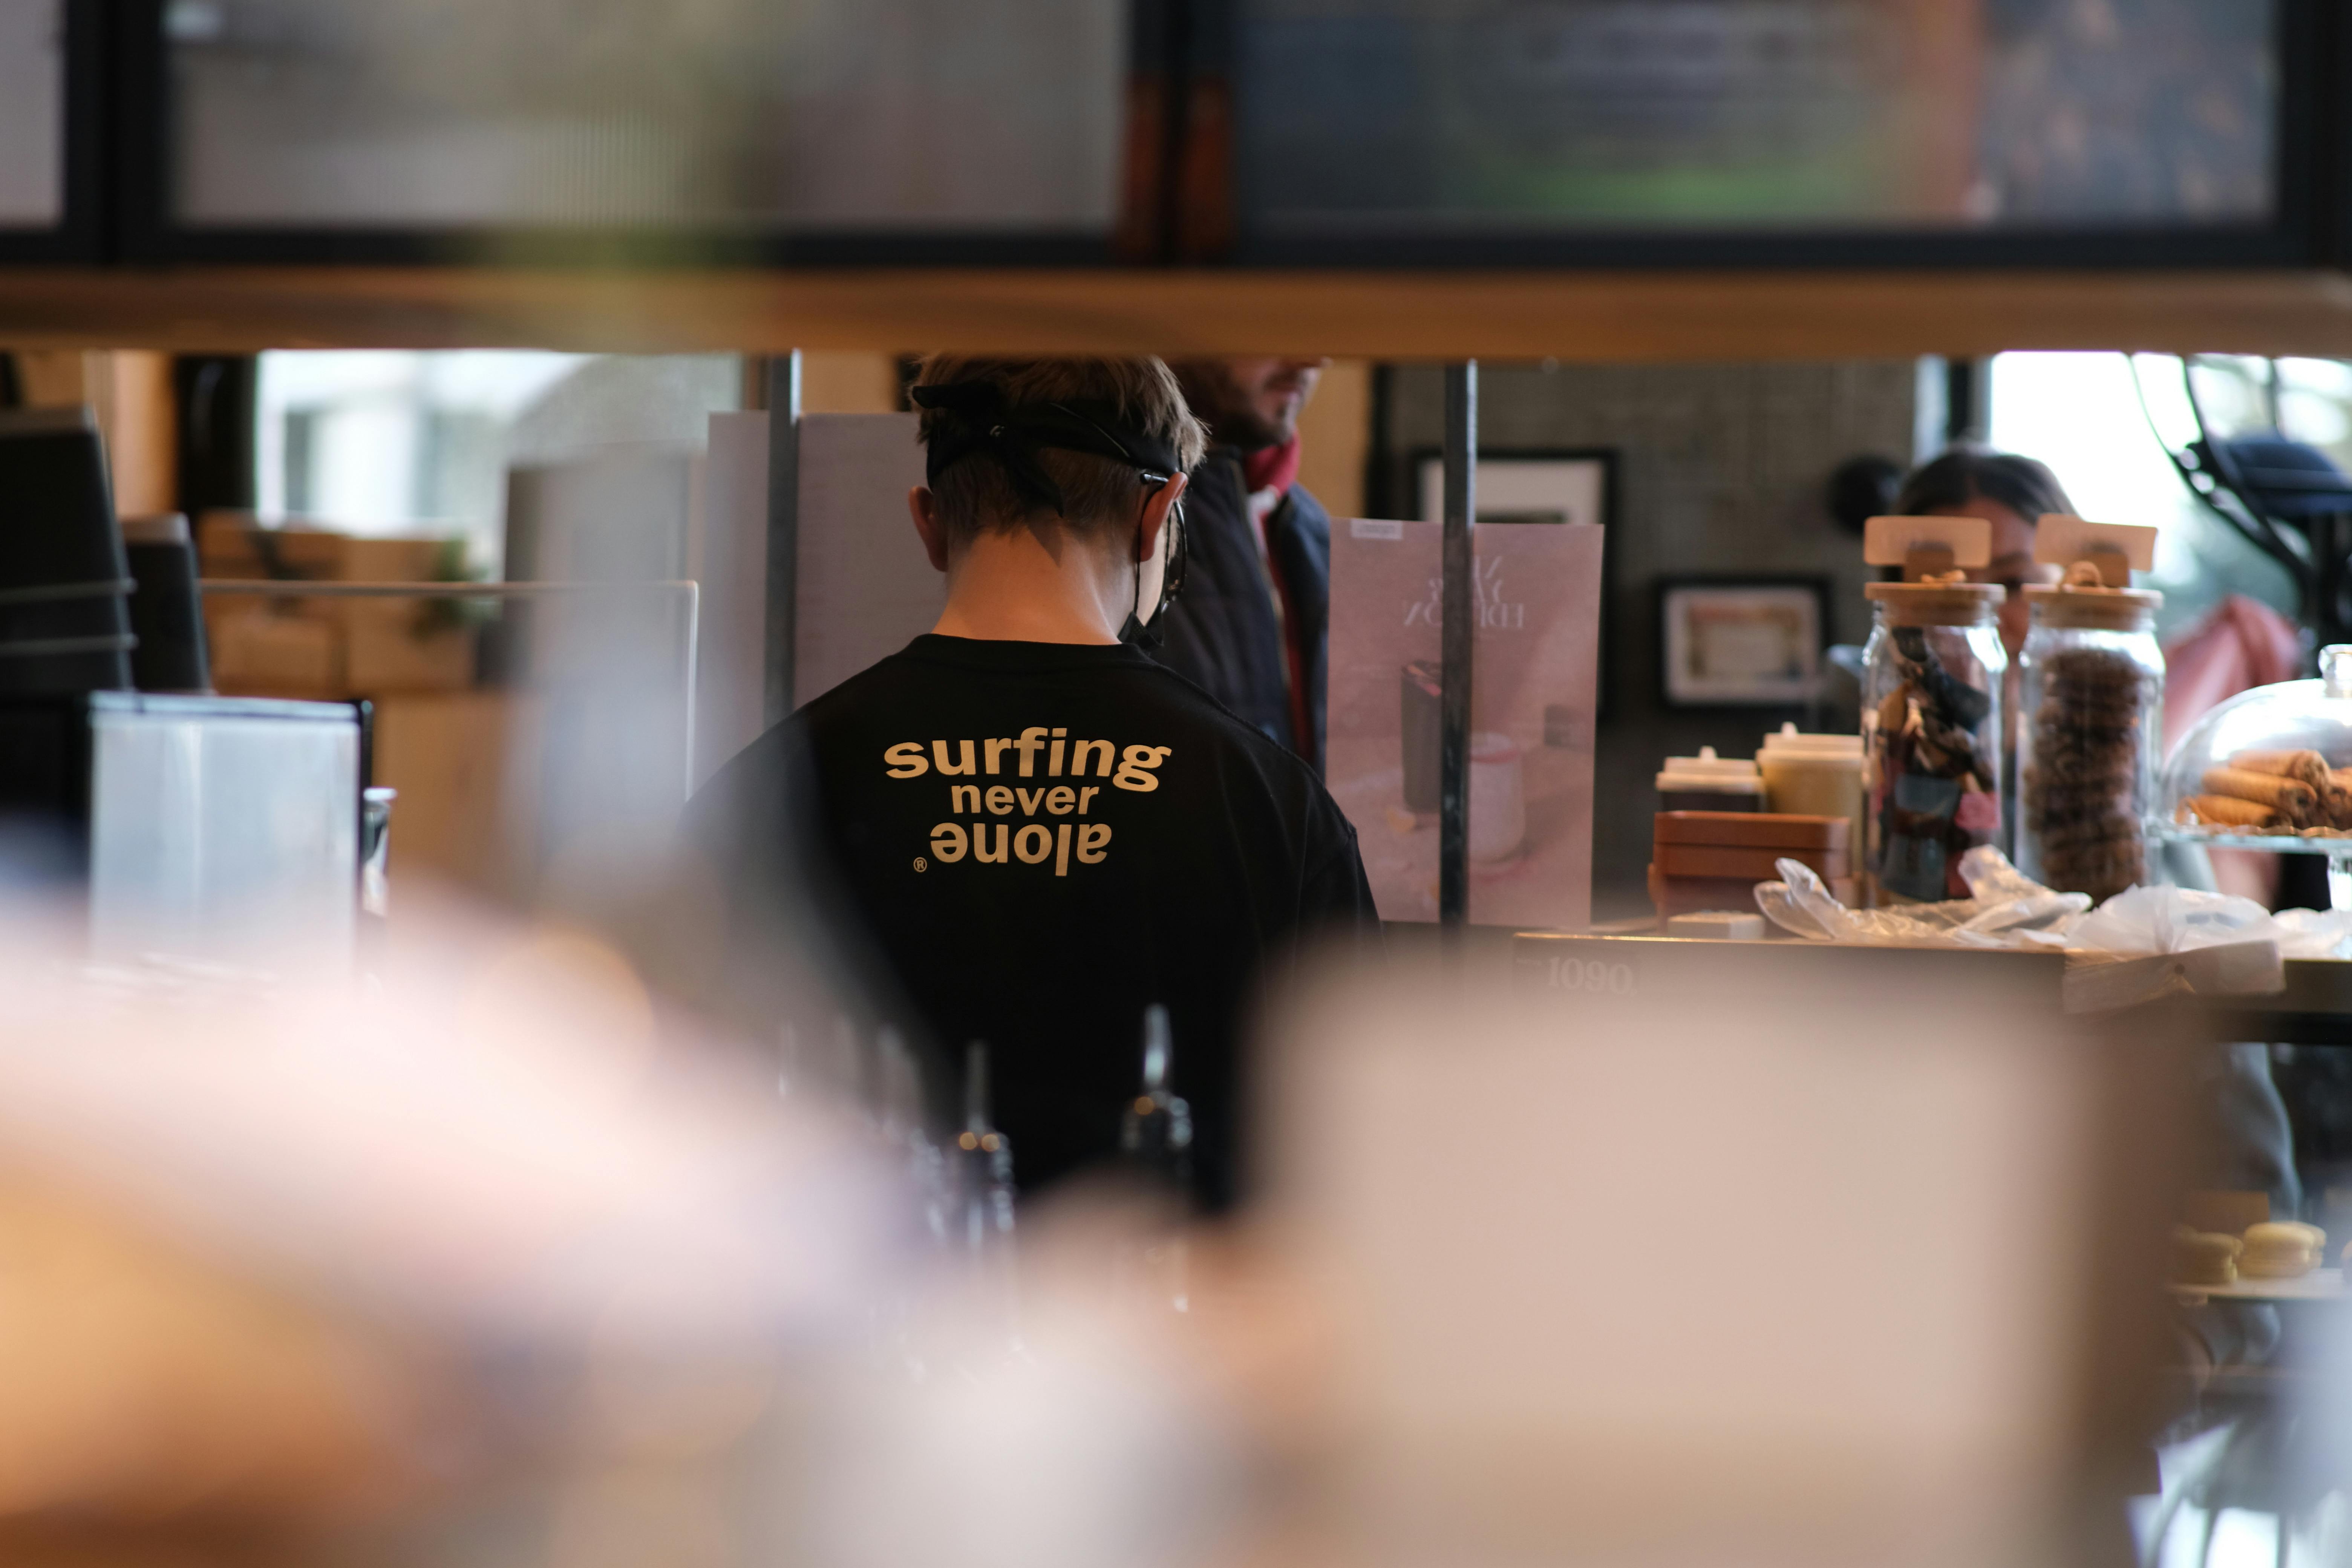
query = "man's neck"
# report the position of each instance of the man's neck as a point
(1008, 587)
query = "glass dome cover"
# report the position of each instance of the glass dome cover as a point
(2269, 769)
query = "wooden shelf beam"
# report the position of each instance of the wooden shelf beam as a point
(1584, 316)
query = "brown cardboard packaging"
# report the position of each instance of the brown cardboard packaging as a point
(1754, 830)
(258, 652)
(1713, 859)
(229, 544)
(352, 646)
(399, 645)
(1694, 895)
(388, 647)
(463, 814)
(1755, 865)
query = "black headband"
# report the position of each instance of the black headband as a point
(979, 419)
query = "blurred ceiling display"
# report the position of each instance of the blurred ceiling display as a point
(1691, 113)
(32, 112)
(822, 114)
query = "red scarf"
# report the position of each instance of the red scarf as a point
(1271, 467)
(1277, 469)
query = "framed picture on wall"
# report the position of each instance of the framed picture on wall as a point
(1571, 485)
(1565, 485)
(1741, 642)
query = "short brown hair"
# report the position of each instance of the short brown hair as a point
(976, 495)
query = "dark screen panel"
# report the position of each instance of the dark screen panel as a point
(729, 119)
(1363, 118)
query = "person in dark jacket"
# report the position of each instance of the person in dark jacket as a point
(1252, 626)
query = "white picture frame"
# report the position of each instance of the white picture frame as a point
(1735, 644)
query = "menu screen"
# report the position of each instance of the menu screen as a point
(859, 115)
(1470, 115)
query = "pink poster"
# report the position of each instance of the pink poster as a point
(1538, 597)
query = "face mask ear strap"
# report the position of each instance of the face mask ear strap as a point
(1136, 631)
(1171, 559)
(1172, 572)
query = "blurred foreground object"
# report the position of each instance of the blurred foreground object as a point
(507, 1262)
(496, 1258)
(295, 1257)
(145, 1382)
(1678, 1279)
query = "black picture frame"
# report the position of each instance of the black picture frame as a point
(1816, 592)
(1606, 458)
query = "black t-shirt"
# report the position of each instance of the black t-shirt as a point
(1040, 839)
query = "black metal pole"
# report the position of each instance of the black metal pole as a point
(1458, 586)
(783, 532)
(1967, 400)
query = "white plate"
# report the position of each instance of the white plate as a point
(2319, 1285)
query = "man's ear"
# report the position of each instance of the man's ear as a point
(924, 508)
(1155, 516)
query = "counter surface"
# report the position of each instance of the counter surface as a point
(2315, 1007)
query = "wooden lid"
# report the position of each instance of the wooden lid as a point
(2093, 609)
(1937, 604)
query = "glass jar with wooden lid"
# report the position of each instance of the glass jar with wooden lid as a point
(1931, 734)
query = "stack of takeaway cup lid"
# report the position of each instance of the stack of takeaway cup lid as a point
(64, 624)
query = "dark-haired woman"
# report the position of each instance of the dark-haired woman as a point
(2009, 492)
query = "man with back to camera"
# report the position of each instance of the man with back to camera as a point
(1251, 628)
(1041, 830)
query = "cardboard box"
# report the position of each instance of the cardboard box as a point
(258, 652)
(1754, 830)
(1694, 895)
(230, 545)
(462, 763)
(1755, 865)
(390, 646)
(401, 644)
(406, 558)
(369, 646)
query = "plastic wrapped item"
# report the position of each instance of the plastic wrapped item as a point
(2151, 943)
(2144, 943)
(2002, 908)
(2181, 919)
(1931, 736)
(2092, 689)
